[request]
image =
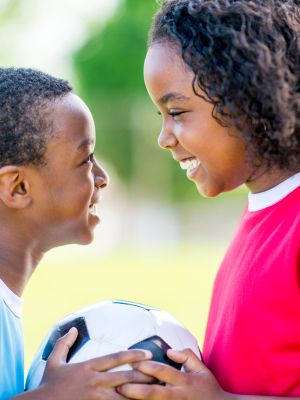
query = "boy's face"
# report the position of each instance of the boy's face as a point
(214, 157)
(66, 190)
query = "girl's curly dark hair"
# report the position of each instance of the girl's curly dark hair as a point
(246, 58)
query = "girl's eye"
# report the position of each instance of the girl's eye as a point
(172, 113)
(175, 113)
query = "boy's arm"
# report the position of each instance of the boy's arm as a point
(89, 380)
(196, 383)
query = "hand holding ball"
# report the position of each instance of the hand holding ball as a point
(114, 326)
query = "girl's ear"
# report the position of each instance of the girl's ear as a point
(14, 187)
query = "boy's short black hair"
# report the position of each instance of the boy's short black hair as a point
(24, 127)
(246, 58)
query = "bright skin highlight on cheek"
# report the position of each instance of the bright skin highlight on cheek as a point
(214, 157)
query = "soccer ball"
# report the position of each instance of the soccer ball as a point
(113, 326)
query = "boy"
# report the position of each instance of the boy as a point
(50, 185)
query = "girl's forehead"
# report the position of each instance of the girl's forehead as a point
(163, 56)
(164, 68)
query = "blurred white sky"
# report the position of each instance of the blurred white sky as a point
(43, 33)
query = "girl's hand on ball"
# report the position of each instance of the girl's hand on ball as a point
(194, 383)
(89, 379)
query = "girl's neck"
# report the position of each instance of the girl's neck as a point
(262, 181)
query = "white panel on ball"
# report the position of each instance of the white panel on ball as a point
(113, 326)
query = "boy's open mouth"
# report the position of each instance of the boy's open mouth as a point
(93, 209)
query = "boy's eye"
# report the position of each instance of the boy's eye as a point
(89, 159)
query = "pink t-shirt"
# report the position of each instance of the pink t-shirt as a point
(252, 342)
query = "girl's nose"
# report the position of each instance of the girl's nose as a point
(166, 138)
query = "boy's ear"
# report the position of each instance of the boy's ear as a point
(14, 187)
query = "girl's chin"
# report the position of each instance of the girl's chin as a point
(207, 190)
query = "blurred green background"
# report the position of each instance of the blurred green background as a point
(159, 242)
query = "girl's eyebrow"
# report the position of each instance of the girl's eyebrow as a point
(173, 96)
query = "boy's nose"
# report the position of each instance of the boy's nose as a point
(100, 182)
(166, 138)
(101, 177)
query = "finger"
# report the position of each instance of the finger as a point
(161, 372)
(188, 359)
(145, 392)
(116, 359)
(62, 347)
(114, 379)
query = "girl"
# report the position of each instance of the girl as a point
(224, 76)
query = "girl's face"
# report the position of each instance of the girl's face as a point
(214, 157)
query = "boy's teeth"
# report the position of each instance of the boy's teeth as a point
(94, 209)
(189, 164)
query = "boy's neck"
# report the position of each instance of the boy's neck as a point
(18, 260)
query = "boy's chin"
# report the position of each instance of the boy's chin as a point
(84, 238)
(87, 238)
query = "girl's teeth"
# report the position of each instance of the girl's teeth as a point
(190, 164)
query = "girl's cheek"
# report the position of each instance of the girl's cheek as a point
(179, 129)
(184, 134)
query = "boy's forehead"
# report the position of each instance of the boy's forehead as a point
(71, 111)
(70, 104)
(72, 122)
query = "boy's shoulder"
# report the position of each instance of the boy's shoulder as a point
(11, 339)
(9, 301)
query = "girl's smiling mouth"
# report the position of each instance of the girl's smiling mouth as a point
(190, 164)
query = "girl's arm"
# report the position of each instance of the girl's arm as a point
(196, 383)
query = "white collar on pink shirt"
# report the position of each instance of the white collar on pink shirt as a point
(259, 201)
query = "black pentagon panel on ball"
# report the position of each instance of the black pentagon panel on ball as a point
(82, 338)
(158, 348)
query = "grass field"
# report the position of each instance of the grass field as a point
(72, 277)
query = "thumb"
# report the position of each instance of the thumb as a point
(188, 359)
(62, 346)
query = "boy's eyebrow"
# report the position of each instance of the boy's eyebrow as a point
(173, 96)
(85, 143)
